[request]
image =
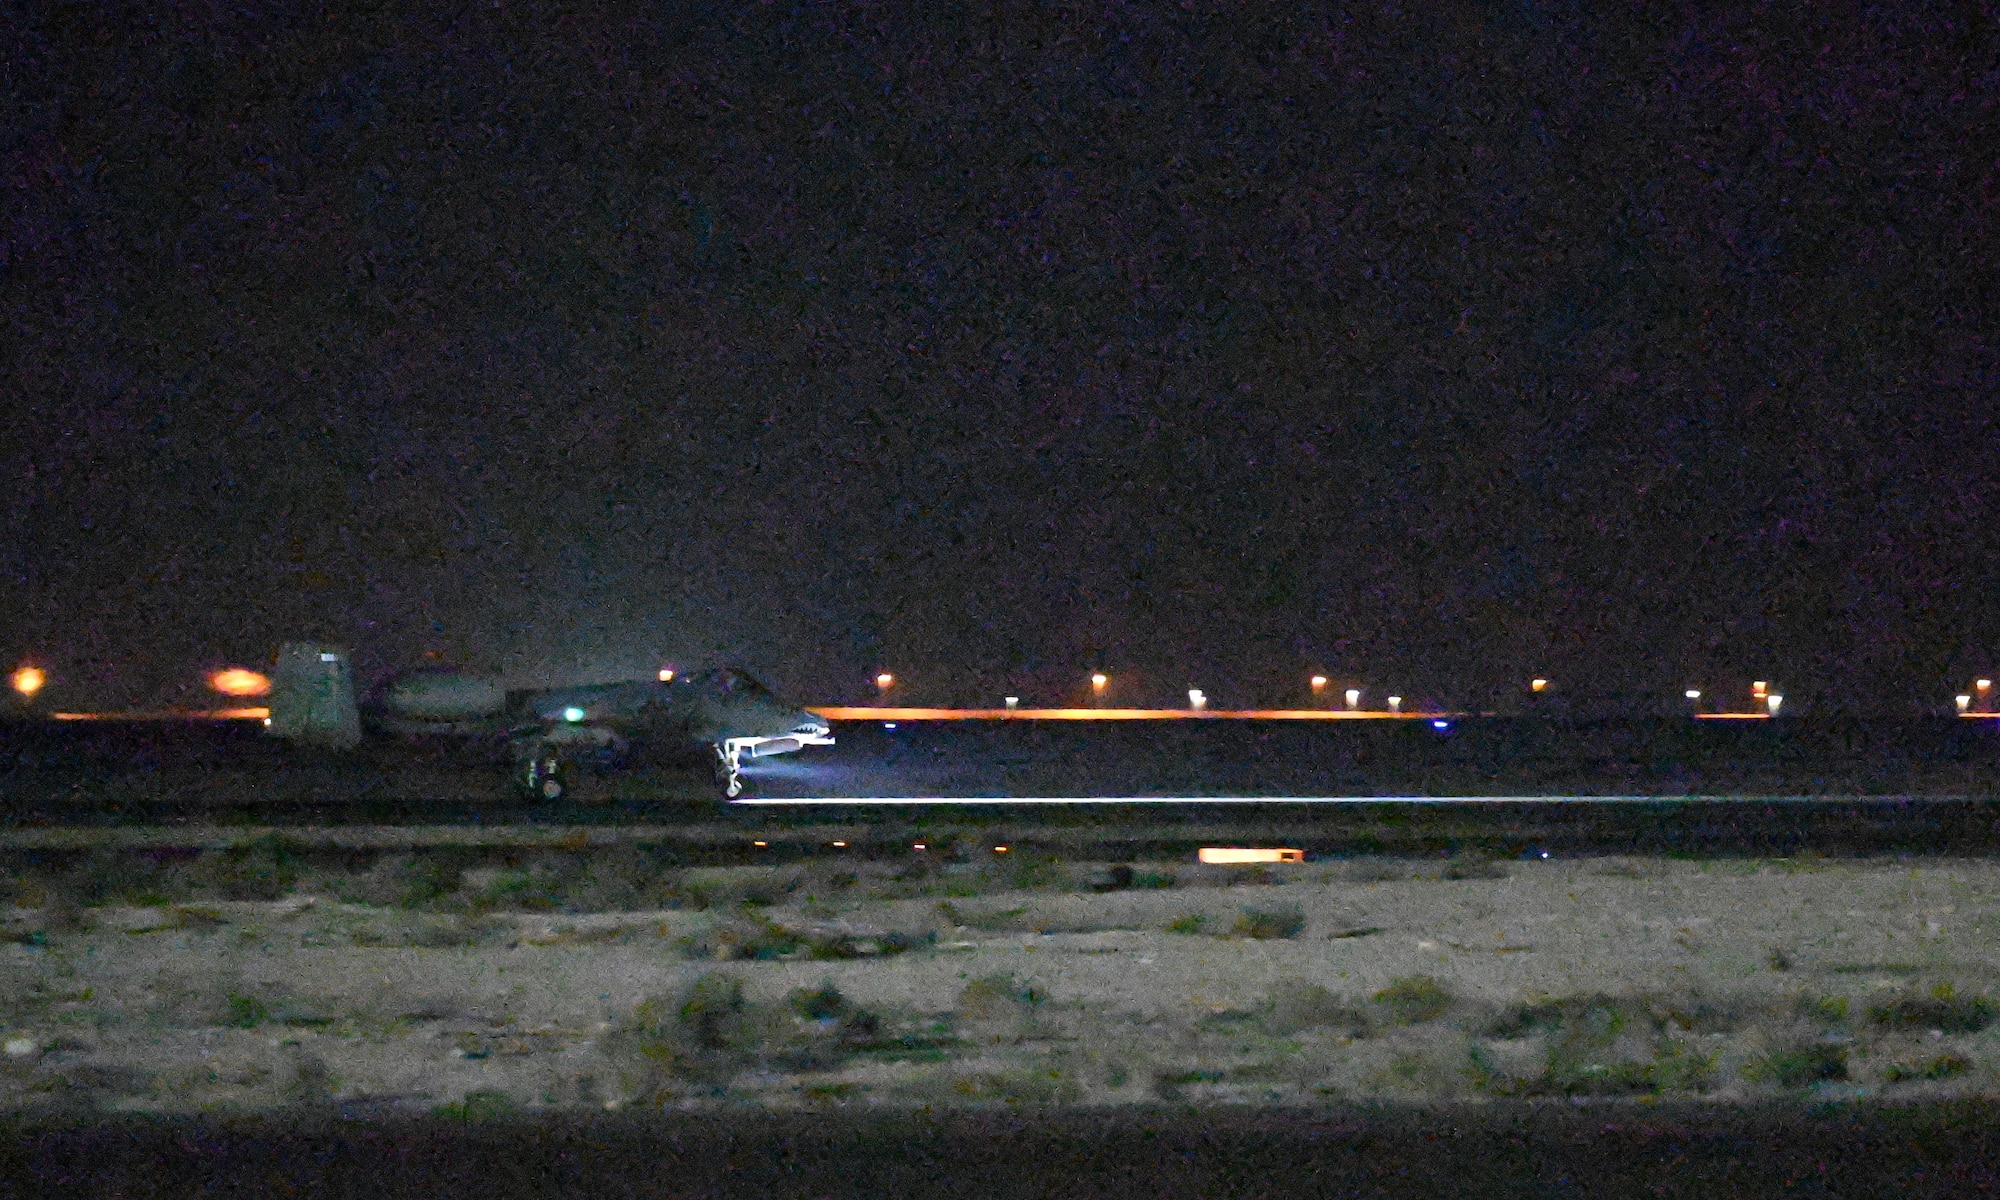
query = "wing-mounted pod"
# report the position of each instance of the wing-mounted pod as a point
(312, 697)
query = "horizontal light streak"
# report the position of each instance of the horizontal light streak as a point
(1762, 716)
(1237, 855)
(209, 714)
(869, 713)
(1027, 801)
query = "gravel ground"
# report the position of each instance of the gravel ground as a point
(829, 984)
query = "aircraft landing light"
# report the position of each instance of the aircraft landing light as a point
(871, 713)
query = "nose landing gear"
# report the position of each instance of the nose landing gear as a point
(729, 769)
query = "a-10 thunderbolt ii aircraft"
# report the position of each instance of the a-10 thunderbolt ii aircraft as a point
(547, 731)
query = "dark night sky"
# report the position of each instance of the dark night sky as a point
(1430, 346)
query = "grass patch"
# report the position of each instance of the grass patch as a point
(486, 1104)
(992, 996)
(1188, 923)
(1039, 1087)
(246, 1012)
(1800, 1066)
(1413, 999)
(1270, 923)
(1295, 1005)
(1943, 1008)
(1944, 1066)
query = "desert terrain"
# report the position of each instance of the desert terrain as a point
(248, 981)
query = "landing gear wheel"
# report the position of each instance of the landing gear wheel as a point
(545, 779)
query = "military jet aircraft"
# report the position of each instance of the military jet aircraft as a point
(549, 730)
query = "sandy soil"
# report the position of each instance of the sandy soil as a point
(1366, 980)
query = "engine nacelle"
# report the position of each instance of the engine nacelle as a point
(443, 696)
(312, 697)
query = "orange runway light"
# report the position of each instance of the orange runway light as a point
(1984, 685)
(884, 680)
(1538, 685)
(760, 843)
(1319, 683)
(666, 674)
(999, 849)
(1236, 856)
(235, 681)
(29, 680)
(1762, 716)
(840, 845)
(1098, 681)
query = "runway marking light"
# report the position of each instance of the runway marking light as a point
(1395, 704)
(884, 680)
(1013, 701)
(1098, 681)
(1440, 724)
(1537, 685)
(235, 681)
(1354, 697)
(1319, 683)
(1692, 693)
(1773, 701)
(1984, 685)
(840, 845)
(572, 714)
(999, 849)
(760, 843)
(666, 674)
(1963, 702)
(1758, 689)
(1239, 856)
(888, 724)
(29, 680)
(918, 846)
(1196, 699)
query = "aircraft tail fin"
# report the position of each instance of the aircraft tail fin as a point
(312, 697)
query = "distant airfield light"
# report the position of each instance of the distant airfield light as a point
(1758, 689)
(1772, 702)
(666, 674)
(1440, 724)
(1983, 685)
(29, 680)
(1319, 683)
(888, 724)
(1692, 693)
(1013, 701)
(1395, 704)
(572, 714)
(1238, 855)
(1537, 685)
(235, 681)
(1098, 681)
(1354, 697)
(760, 843)
(1196, 699)
(1963, 702)
(919, 846)
(885, 680)
(999, 849)
(840, 845)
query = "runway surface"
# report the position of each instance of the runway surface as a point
(1509, 786)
